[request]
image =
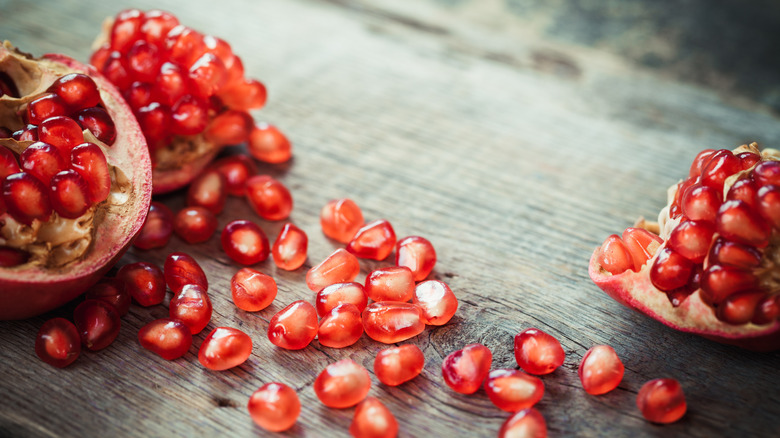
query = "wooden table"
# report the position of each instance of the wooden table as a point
(514, 137)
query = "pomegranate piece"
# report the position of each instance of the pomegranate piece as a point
(58, 343)
(294, 327)
(26, 198)
(339, 267)
(274, 407)
(236, 169)
(168, 338)
(600, 370)
(270, 199)
(375, 240)
(340, 293)
(373, 420)
(465, 370)
(47, 106)
(61, 132)
(209, 190)
(341, 327)
(78, 91)
(112, 291)
(157, 229)
(192, 307)
(98, 122)
(290, 247)
(42, 161)
(180, 269)
(89, 161)
(230, 127)
(340, 219)
(513, 390)
(268, 144)
(417, 254)
(396, 365)
(537, 352)
(144, 282)
(391, 321)
(97, 323)
(69, 194)
(245, 242)
(436, 300)
(252, 290)
(394, 283)
(194, 224)
(224, 348)
(661, 401)
(342, 384)
(528, 423)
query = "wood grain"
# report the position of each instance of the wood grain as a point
(515, 151)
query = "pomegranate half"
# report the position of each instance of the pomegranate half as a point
(711, 264)
(75, 176)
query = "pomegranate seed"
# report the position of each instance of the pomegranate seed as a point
(739, 308)
(225, 348)
(229, 127)
(340, 219)
(42, 161)
(268, 144)
(252, 290)
(157, 229)
(767, 172)
(396, 365)
(737, 222)
(28, 133)
(138, 95)
(154, 120)
(191, 306)
(513, 390)
(670, 270)
(341, 327)
(26, 198)
(394, 283)
(744, 189)
(47, 106)
(194, 224)
(600, 370)
(537, 352)
(115, 70)
(244, 95)
(642, 245)
(156, 26)
(8, 163)
(10, 257)
(144, 282)
(61, 132)
(112, 291)
(748, 160)
(373, 420)
(465, 370)
(235, 70)
(417, 254)
(769, 204)
(126, 29)
(209, 74)
(168, 338)
(614, 257)
(289, 250)
(181, 269)
(143, 61)
(270, 199)
(691, 239)
(89, 161)
(171, 84)
(528, 423)
(682, 187)
(718, 282)
(725, 252)
(661, 401)
(184, 45)
(58, 343)
(375, 240)
(189, 115)
(77, 90)
(339, 267)
(236, 169)
(436, 300)
(274, 407)
(722, 165)
(342, 384)
(98, 122)
(69, 194)
(244, 242)
(208, 190)
(340, 293)
(217, 47)
(702, 158)
(294, 327)
(97, 323)
(701, 203)
(767, 310)
(100, 58)
(390, 322)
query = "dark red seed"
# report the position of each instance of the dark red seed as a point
(61, 132)
(722, 165)
(8, 163)
(767, 172)
(719, 282)
(156, 26)
(154, 120)
(748, 159)
(144, 282)
(28, 133)
(89, 161)
(157, 229)
(10, 257)
(245, 242)
(769, 204)
(115, 70)
(42, 161)
(700, 203)
(194, 224)
(69, 194)
(699, 162)
(184, 45)
(236, 169)
(169, 338)
(739, 223)
(77, 90)
(171, 84)
(47, 106)
(181, 269)
(126, 29)
(189, 115)
(143, 61)
(192, 306)
(138, 95)
(725, 252)
(58, 343)
(691, 239)
(26, 198)
(112, 291)
(97, 323)
(97, 121)
(745, 190)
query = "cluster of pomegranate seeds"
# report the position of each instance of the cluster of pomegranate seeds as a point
(224, 348)
(661, 401)
(373, 419)
(58, 342)
(274, 407)
(294, 327)
(252, 290)
(167, 337)
(464, 370)
(396, 365)
(537, 352)
(600, 370)
(157, 229)
(342, 384)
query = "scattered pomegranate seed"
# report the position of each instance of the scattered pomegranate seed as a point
(436, 300)
(224, 348)
(642, 245)
(396, 365)
(391, 321)
(192, 307)
(168, 338)
(270, 199)
(341, 327)
(194, 224)
(417, 254)
(69, 194)
(97, 323)
(230, 127)
(268, 144)
(340, 219)
(112, 291)
(77, 90)
(89, 161)
(144, 282)
(236, 169)
(342, 384)
(340, 293)
(290, 247)
(294, 327)
(157, 228)
(394, 283)
(26, 198)
(339, 267)
(245, 242)
(44, 107)
(600, 370)
(208, 190)
(61, 132)
(181, 269)
(375, 240)
(58, 343)
(42, 161)
(244, 95)
(252, 290)
(513, 390)
(465, 370)
(373, 420)
(528, 423)
(661, 401)
(98, 122)
(274, 407)
(537, 352)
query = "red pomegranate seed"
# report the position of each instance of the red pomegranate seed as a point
(42, 161)
(537, 352)
(69, 194)
(171, 84)
(229, 127)
(417, 254)
(739, 308)
(436, 300)
(767, 310)
(393, 283)
(252, 290)
(77, 90)
(642, 245)
(748, 160)
(702, 158)
(396, 365)
(236, 169)
(28, 133)
(342, 384)
(268, 144)
(156, 26)
(244, 95)
(701, 203)
(26, 198)
(58, 343)
(143, 61)
(339, 267)
(676, 207)
(341, 327)
(184, 45)
(126, 29)
(47, 106)
(373, 420)
(168, 338)
(189, 115)
(208, 190)
(8, 163)
(144, 282)
(718, 282)
(98, 122)
(528, 423)
(115, 70)
(600, 370)
(739, 223)
(138, 95)
(744, 189)
(390, 322)
(614, 257)
(270, 199)
(217, 47)
(290, 247)
(112, 291)
(97, 323)
(154, 120)
(670, 270)
(375, 240)
(768, 204)
(722, 165)
(465, 370)
(245, 242)
(191, 306)
(100, 57)
(194, 224)
(340, 219)
(208, 74)
(10, 257)
(767, 172)
(89, 161)
(691, 239)
(225, 348)
(513, 390)
(157, 228)
(61, 132)
(181, 269)
(661, 401)
(725, 252)
(274, 407)
(294, 327)
(340, 293)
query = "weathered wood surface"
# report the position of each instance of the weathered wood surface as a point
(513, 147)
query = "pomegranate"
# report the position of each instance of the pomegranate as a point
(274, 406)
(70, 206)
(709, 265)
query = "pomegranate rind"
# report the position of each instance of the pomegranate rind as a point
(31, 290)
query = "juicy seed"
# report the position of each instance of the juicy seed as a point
(26, 198)
(8, 163)
(769, 204)
(126, 29)
(661, 401)
(390, 321)
(78, 91)
(290, 247)
(702, 158)
(339, 267)
(373, 420)
(97, 323)
(725, 252)
(236, 169)
(701, 203)
(138, 95)
(28, 133)
(767, 173)
(44, 107)
(245, 242)
(342, 384)
(224, 348)
(268, 144)
(614, 257)
(465, 370)
(436, 300)
(143, 61)
(513, 390)
(670, 270)
(739, 223)
(642, 245)
(244, 95)
(61, 132)
(721, 165)
(208, 190)
(528, 423)
(417, 254)
(396, 365)
(69, 194)
(270, 199)
(42, 161)
(156, 26)
(144, 282)
(394, 283)
(154, 120)
(744, 190)
(184, 45)
(168, 338)
(191, 306)
(375, 240)
(537, 352)
(691, 239)
(719, 282)
(171, 84)
(181, 269)
(194, 224)
(600, 370)
(10, 257)
(157, 229)
(739, 308)
(58, 343)
(340, 293)
(97, 121)
(341, 327)
(252, 290)
(274, 407)
(189, 115)
(112, 291)
(767, 310)
(293, 327)
(340, 219)
(209, 74)
(229, 127)
(115, 69)
(89, 161)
